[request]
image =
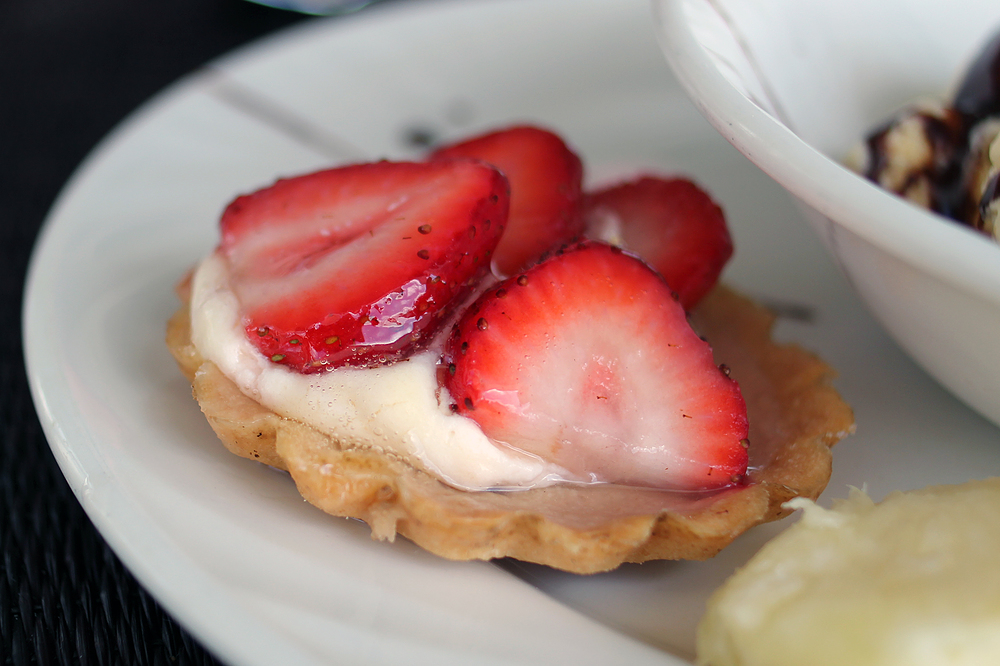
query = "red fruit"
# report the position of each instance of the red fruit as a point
(545, 177)
(358, 265)
(588, 361)
(672, 224)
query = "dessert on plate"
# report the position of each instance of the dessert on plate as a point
(475, 353)
(945, 156)
(911, 581)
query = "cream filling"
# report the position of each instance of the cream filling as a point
(397, 408)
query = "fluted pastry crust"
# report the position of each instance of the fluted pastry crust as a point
(795, 417)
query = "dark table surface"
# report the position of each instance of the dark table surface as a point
(70, 70)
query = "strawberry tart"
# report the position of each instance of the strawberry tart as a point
(475, 353)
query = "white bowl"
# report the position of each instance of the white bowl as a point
(794, 84)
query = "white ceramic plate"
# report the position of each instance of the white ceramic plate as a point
(227, 545)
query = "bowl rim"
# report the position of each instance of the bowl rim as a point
(955, 254)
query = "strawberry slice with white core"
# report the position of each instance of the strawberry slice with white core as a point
(671, 223)
(359, 265)
(545, 183)
(587, 360)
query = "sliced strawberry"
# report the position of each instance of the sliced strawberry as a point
(586, 360)
(545, 177)
(672, 224)
(358, 265)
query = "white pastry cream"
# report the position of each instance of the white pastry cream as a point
(397, 408)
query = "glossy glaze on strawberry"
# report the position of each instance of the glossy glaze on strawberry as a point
(671, 223)
(545, 180)
(588, 361)
(360, 265)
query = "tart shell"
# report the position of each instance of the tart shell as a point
(795, 417)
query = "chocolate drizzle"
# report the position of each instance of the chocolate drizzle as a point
(940, 182)
(979, 94)
(946, 139)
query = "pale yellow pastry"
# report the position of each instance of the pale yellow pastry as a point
(983, 177)
(912, 581)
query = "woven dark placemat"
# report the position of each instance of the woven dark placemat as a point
(70, 70)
